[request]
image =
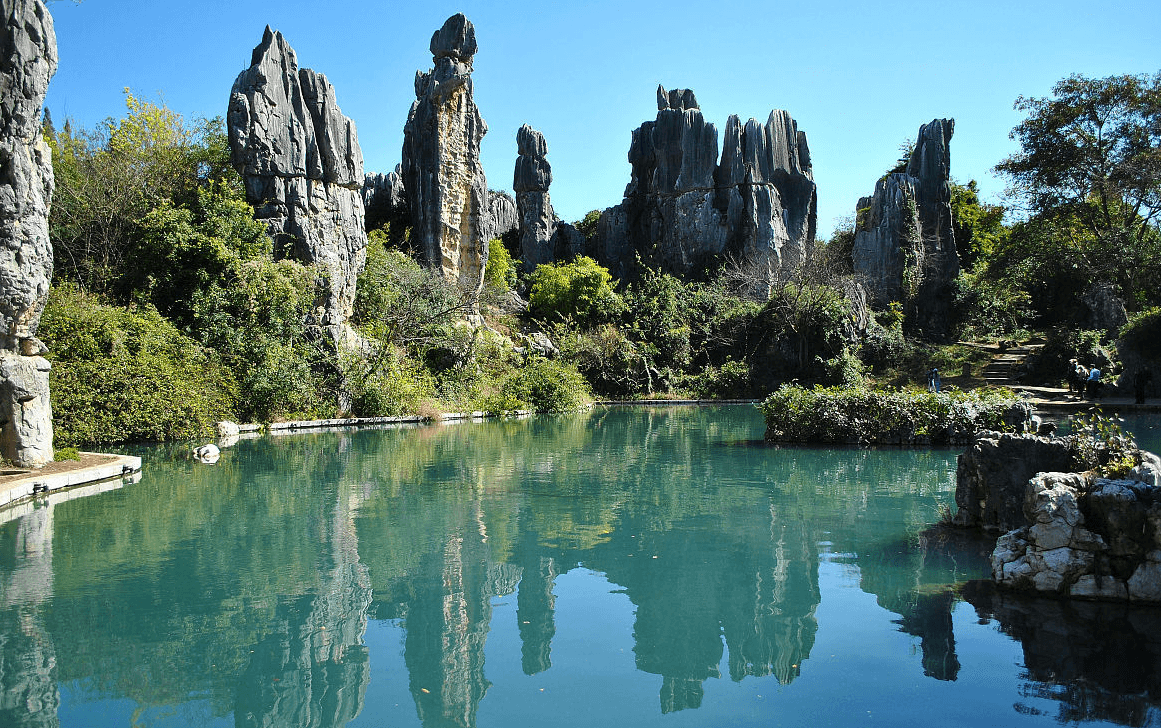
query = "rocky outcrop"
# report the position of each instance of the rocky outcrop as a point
(27, 61)
(992, 475)
(543, 237)
(303, 169)
(503, 216)
(385, 199)
(904, 245)
(441, 169)
(684, 211)
(1100, 541)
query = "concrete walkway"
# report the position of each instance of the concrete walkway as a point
(19, 486)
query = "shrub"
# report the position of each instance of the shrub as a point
(858, 415)
(543, 386)
(500, 271)
(122, 375)
(581, 290)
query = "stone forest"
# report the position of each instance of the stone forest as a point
(237, 305)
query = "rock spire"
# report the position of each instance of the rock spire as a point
(446, 188)
(28, 60)
(684, 210)
(543, 238)
(300, 158)
(904, 243)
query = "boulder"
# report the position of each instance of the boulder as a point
(446, 187)
(904, 246)
(992, 476)
(28, 59)
(1098, 541)
(685, 211)
(303, 169)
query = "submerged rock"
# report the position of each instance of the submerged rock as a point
(303, 169)
(684, 212)
(446, 188)
(28, 60)
(904, 244)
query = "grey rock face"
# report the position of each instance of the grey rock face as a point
(904, 244)
(441, 170)
(303, 169)
(992, 475)
(385, 199)
(503, 216)
(1097, 542)
(28, 60)
(685, 209)
(531, 180)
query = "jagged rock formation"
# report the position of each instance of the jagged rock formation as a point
(303, 169)
(385, 199)
(503, 216)
(27, 61)
(904, 244)
(992, 475)
(683, 209)
(543, 237)
(441, 169)
(1100, 541)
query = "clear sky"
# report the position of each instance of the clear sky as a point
(859, 77)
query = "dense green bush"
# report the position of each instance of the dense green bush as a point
(1142, 333)
(542, 386)
(581, 290)
(128, 374)
(500, 271)
(862, 416)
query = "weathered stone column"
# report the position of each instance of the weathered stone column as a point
(441, 160)
(27, 62)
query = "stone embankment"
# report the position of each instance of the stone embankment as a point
(1067, 534)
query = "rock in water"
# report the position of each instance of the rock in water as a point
(904, 245)
(303, 169)
(27, 61)
(683, 211)
(441, 168)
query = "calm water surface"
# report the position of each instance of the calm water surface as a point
(628, 567)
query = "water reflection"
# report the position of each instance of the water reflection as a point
(250, 584)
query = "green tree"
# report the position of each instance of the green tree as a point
(108, 179)
(1088, 175)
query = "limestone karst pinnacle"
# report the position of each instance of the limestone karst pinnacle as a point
(904, 243)
(303, 169)
(446, 188)
(28, 60)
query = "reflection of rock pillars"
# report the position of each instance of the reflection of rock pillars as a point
(313, 671)
(28, 673)
(535, 603)
(1099, 662)
(929, 617)
(447, 626)
(775, 631)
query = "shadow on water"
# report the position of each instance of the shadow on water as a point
(248, 587)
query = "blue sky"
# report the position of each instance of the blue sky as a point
(858, 77)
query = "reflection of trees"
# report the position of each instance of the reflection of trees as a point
(1098, 660)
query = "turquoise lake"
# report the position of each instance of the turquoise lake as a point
(624, 567)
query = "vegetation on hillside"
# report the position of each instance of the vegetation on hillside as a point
(169, 310)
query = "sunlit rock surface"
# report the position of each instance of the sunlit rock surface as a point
(303, 169)
(904, 244)
(1085, 538)
(446, 187)
(685, 212)
(28, 60)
